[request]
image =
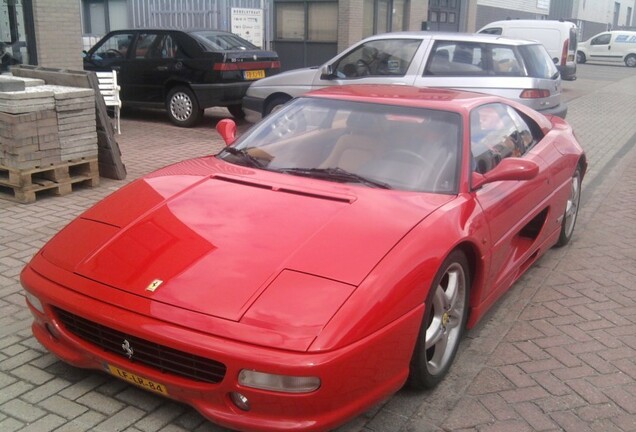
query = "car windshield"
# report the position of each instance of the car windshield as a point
(373, 145)
(223, 41)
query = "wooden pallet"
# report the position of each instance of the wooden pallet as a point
(25, 186)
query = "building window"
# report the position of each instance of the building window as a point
(381, 16)
(102, 16)
(315, 21)
(17, 41)
(322, 22)
(290, 21)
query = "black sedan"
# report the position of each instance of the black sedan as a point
(185, 71)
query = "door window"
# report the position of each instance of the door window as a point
(494, 136)
(143, 48)
(115, 46)
(388, 57)
(603, 39)
(165, 49)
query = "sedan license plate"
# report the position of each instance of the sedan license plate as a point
(137, 380)
(254, 74)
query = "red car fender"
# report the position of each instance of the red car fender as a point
(401, 281)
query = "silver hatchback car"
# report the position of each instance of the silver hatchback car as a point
(515, 69)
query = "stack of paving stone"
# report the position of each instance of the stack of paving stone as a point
(48, 139)
(77, 128)
(46, 124)
(28, 128)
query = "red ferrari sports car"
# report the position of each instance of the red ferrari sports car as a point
(333, 252)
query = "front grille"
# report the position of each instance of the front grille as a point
(162, 358)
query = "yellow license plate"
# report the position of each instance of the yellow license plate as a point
(137, 380)
(254, 74)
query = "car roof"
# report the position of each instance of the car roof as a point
(531, 22)
(434, 98)
(448, 36)
(157, 29)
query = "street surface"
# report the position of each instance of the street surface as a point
(557, 353)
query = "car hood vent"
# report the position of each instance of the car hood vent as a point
(289, 190)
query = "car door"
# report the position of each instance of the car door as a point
(515, 210)
(144, 69)
(379, 61)
(601, 47)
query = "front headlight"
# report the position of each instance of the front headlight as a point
(34, 301)
(281, 383)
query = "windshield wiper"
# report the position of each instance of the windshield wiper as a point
(245, 156)
(335, 174)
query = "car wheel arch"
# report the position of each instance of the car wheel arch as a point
(581, 57)
(278, 96)
(169, 85)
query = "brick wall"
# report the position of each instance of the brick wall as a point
(58, 33)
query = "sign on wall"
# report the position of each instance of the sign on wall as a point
(248, 24)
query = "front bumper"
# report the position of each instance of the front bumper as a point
(353, 378)
(253, 108)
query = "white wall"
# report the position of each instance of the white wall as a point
(602, 11)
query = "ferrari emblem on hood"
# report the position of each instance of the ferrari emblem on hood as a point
(154, 285)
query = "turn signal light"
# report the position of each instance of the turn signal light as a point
(281, 383)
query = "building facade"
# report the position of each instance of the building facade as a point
(53, 33)
(594, 16)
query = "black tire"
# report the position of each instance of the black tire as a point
(236, 111)
(444, 321)
(274, 104)
(630, 60)
(571, 209)
(580, 57)
(183, 107)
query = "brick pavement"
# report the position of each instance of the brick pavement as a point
(556, 353)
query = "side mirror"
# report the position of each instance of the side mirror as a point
(327, 72)
(227, 129)
(556, 60)
(508, 169)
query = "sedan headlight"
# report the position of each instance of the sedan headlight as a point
(281, 383)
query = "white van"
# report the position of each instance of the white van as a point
(558, 37)
(611, 46)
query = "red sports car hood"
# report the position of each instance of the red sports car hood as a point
(213, 243)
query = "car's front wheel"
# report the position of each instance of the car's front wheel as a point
(183, 107)
(571, 209)
(443, 324)
(580, 57)
(630, 60)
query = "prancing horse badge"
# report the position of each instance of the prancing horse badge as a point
(154, 285)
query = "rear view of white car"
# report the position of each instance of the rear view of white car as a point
(558, 37)
(612, 46)
(515, 69)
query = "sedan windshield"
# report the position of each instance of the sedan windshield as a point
(368, 144)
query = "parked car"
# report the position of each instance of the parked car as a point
(613, 46)
(331, 253)
(518, 70)
(558, 37)
(185, 71)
